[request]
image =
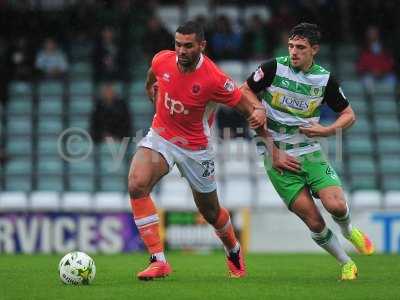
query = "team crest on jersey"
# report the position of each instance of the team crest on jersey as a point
(330, 172)
(258, 75)
(166, 76)
(316, 91)
(285, 83)
(196, 89)
(229, 85)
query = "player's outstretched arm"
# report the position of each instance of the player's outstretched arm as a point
(251, 108)
(346, 119)
(151, 87)
(280, 159)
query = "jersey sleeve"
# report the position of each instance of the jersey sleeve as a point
(157, 60)
(262, 77)
(334, 96)
(226, 91)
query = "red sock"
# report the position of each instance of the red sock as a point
(224, 229)
(147, 221)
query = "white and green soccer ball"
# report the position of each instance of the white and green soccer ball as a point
(77, 268)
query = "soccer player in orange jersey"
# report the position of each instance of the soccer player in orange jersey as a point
(189, 86)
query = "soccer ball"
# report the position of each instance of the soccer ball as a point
(76, 268)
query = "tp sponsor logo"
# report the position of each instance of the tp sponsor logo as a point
(174, 106)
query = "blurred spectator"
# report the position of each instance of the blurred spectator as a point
(381, 13)
(111, 117)
(309, 11)
(257, 39)
(107, 57)
(51, 60)
(156, 38)
(375, 62)
(225, 42)
(283, 18)
(21, 59)
(3, 158)
(81, 29)
(282, 49)
(203, 21)
(4, 74)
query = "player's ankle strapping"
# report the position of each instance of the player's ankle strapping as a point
(224, 230)
(147, 222)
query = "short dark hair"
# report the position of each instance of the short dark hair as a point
(191, 27)
(307, 30)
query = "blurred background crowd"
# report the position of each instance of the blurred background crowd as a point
(43, 38)
(83, 63)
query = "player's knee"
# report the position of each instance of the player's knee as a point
(336, 205)
(138, 186)
(339, 209)
(210, 215)
(316, 224)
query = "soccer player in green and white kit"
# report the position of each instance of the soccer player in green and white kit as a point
(293, 88)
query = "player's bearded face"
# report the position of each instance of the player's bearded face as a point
(301, 52)
(188, 49)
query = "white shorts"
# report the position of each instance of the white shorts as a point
(196, 166)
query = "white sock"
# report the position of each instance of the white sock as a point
(344, 223)
(235, 249)
(160, 256)
(328, 241)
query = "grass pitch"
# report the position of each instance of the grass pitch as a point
(270, 276)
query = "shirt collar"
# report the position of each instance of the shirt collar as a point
(199, 63)
(298, 70)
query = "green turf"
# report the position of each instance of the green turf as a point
(280, 276)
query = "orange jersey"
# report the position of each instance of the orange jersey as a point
(186, 102)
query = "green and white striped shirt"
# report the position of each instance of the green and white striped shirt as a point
(293, 98)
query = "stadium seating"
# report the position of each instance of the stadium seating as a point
(19, 124)
(47, 182)
(77, 201)
(360, 144)
(366, 198)
(391, 182)
(81, 70)
(392, 199)
(170, 16)
(109, 201)
(362, 165)
(234, 69)
(81, 105)
(19, 145)
(52, 105)
(38, 112)
(44, 201)
(19, 183)
(175, 192)
(20, 105)
(50, 88)
(81, 87)
(81, 183)
(362, 126)
(237, 192)
(13, 201)
(50, 125)
(268, 197)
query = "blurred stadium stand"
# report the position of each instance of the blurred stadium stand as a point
(38, 111)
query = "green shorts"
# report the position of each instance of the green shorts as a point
(316, 174)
